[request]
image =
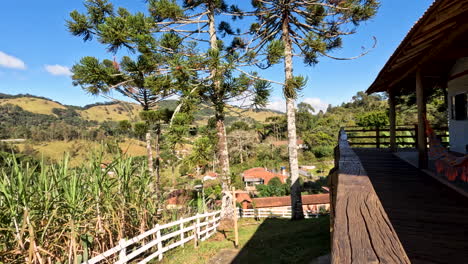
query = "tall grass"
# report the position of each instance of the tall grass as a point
(55, 214)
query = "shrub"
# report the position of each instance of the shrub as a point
(323, 151)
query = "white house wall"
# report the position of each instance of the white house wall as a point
(458, 129)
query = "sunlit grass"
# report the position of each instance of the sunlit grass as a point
(268, 241)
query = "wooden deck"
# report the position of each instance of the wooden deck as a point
(431, 220)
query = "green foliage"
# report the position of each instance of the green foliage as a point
(293, 85)
(273, 188)
(65, 206)
(275, 51)
(165, 9)
(373, 119)
(140, 129)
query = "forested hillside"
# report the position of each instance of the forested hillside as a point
(39, 118)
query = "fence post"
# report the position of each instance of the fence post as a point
(182, 233)
(214, 224)
(160, 248)
(377, 136)
(196, 231)
(236, 231)
(123, 251)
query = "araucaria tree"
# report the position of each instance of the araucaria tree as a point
(308, 29)
(196, 20)
(157, 70)
(161, 35)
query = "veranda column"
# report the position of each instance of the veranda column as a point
(392, 117)
(421, 103)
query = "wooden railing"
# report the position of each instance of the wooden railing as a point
(164, 237)
(379, 137)
(276, 213)
(361, 230)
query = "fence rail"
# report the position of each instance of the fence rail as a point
(165, 237)
(406, 136)
(278, 213)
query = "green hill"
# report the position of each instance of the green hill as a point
(117, 111)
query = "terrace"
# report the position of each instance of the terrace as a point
(388, 204)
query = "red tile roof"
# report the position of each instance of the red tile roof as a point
(211, 174)
(241, 197)
(261, 173)
(286, 200)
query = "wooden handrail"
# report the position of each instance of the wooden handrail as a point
(373, 137)
(361, 230)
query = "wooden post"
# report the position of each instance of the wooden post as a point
(236, 232)
(182, 234)
(158, 237)
(392, 117)
(196, 230)
(123, 251)
(377, 137)
(421, 103)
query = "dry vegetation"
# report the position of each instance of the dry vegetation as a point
(115, 112)
(34, 105)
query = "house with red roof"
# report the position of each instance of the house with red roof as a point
(311, 202)
(255, 176)
(243, 198)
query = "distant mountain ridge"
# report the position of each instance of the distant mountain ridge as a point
(117, 111)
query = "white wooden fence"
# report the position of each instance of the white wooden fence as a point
(165, 237)
(272, 212)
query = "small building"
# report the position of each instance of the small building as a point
(312, 202)
(255, 176)
(243, 198)
(177, 199)
(210, 176)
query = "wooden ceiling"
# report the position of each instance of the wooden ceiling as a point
(432, 45)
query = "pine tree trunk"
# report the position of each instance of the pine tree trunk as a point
(223, 157)
(158, 176)
(296, 199)
(149, 152)
(173, 168)
(227, 210)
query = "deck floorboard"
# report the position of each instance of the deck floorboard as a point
(430, 219)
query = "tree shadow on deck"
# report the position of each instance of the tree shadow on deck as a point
(285, 241)
(430, 219)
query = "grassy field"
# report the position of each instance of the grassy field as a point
(34, 105)
(258, 116)
(269, 241)
(80, 150)
(115, 112)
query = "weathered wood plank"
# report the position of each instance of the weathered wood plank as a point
(362, 232)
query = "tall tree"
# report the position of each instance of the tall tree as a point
(158, 70)
(308, 29)
(196, 21)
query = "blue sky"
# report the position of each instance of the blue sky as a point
(36, 52)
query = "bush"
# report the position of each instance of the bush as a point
(323, 151)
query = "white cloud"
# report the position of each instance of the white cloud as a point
(279, 104)
(9, 61)
(317, 104)
(58, 70)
